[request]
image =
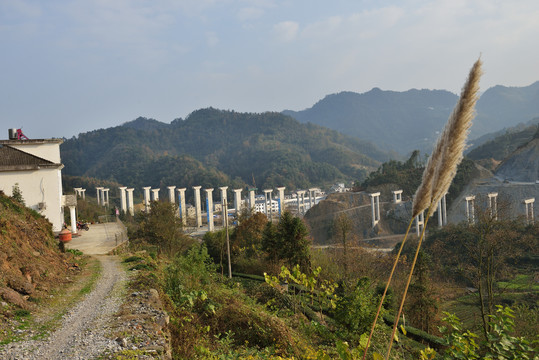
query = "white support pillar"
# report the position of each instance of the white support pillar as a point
(171, 197)
(155, 194)
(209, 208)
(470, 209)
(103, 201)
(310, 198)
(83, 192)
(123, 200)
(493, 205)
(78, 191)
(281, 199)
(252, 199)
(419, 223)
(267, 196)
(181, 202)
(397, 196)
(130, 205)
(301, 202)
(237, 201)
(197, 205)
(224, 200)
(442, 211)
(107, 196)
(147, 198)
(73, 218)
(530, 217)
(98, 190)
(375, 207)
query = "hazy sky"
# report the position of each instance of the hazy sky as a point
(73, 66)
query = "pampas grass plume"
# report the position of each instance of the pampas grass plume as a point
(448, 151)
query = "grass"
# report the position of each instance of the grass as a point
(519, 283)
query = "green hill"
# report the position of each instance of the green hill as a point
(491, 152)
(214, 148)
(410, 120)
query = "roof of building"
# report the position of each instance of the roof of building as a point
(31, 141)
(12, 159)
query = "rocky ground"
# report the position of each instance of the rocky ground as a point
(111, 322)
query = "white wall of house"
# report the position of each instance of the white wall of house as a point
(48, 149)
(39, 188)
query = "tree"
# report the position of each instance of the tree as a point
(343, 226)
(479, 253)
(162, 228)
(288, 241)
(17, 194)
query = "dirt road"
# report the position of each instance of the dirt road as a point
(83, 329)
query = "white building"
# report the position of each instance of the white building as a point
(36, 167)
(261, 207)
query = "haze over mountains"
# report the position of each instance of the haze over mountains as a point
(410, 120)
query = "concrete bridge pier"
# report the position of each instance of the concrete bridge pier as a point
(209, 208)
(123, 201)
(224, 201)
(130, 205)
(197, 205)
(181, 201)
(147, 198)
(171, 197)
(281, 199)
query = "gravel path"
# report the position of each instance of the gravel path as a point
(82, 333)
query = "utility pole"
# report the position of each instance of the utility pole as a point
(225, 206)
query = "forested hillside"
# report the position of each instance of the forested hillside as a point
(410, 120)
(501, 146)
(399, 121)
(214, 147)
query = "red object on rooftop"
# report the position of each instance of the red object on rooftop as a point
(20, 135)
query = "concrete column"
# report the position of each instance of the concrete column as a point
(312, 197)
(281, 199)
(470, 211)
(397, 196)
(301, 200)
(181, 201)
(252, 199)
(98, 190)
(147, 198)
(530, 217)
(224, 199)
(123, 202)
(444, 208)
(209, 208)
(493, 205)
(130, 205)
(237, 201)
(155, 194)
(83, 191)
(197, 205)
(171, 197)
(73, 218)
(107, 203)
(78, 191)
(375, 207)
(103, 201)
(267, 193)
(419, 223)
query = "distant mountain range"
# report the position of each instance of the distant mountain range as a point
(216, 148)
(410, 120)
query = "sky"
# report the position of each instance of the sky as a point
(68, 67)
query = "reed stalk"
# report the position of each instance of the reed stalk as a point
(385, 290)
(437, 177)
